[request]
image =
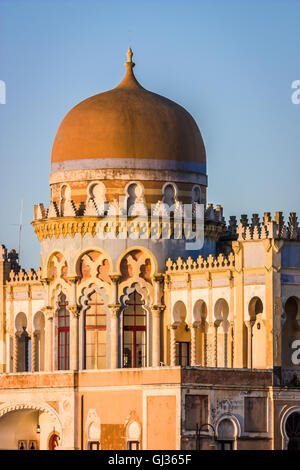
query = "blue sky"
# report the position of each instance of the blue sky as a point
(229, 63)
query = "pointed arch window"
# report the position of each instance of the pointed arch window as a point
(63, 334)
(95, 333)
(134, 332)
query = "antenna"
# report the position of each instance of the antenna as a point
(20, 229)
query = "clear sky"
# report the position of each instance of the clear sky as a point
(229, 63)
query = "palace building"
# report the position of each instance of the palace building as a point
(128, 337)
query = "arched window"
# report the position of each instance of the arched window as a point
(196, 194)
(290, 330)
(63, 334)
(226, 435)
(200, 318)
(134, 332)
(24, 352)
(293, 431)
(95, 333)
(135, 200)
(257, 341)
(169, 194)
(23, 340)
(39, 341)
(182, 335)
(221, 313)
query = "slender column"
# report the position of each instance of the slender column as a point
(157, 308)
(74, 328)
(156, 336)
(33, 351)
(114, 333)
(225, 334)
(74, 340)
(48, 311)
(205, 345)
(114, 324)
(232, 344)
(16, 352)
(215, 345)
(249, 325)
(173, 345)
(9, 353)
(193, 329)
(166, 317)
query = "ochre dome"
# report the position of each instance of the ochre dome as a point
(128, 127)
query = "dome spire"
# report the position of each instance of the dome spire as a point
(129, 81)
(129, 55)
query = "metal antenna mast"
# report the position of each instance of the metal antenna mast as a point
(20, 229)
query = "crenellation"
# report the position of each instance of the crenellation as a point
(53, 210)
(23, 277)
(201, 264)
(255, 221)
(269, 228)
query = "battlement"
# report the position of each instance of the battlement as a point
(91, 209)
(200, 264)
(255, 230)
(160, 225)
(31, 276)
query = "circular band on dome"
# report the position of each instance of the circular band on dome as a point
(128, 163)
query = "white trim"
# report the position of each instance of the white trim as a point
(125, 163)
(235, 421)
(236, 424)
(287, 413)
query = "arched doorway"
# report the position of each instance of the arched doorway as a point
(292, 427)
(27, 426)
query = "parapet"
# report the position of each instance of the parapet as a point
(268, 228)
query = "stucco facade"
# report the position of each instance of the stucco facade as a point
(137, 340)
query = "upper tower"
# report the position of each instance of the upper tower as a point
(126, 151)
(129, 134)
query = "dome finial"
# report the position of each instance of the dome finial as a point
(129, 55)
